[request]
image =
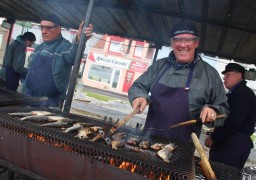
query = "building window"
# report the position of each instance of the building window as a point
(115, 46)
(138, 51)
(104, 74)
(100, 73)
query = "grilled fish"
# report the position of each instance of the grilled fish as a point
(60, 118)
(31, 113)
(117, 143)
(166, 152)
(57, 124)
(133, 141)
(120, 135)
(144, 144)
(95, 128)
(36, 118)
(75, 127)
(83, 133)
(157, 146)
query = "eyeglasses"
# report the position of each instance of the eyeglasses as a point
(47, 27)
(187, 41)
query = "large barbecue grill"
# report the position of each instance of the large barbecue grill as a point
(52, 154)
(8, 98)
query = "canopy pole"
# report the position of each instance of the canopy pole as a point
(79, 54)
(156, 53)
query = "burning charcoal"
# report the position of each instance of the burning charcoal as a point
(83, 133)
(75, 127)
(31, 113)
(117, 143)
(133, 141)
(157, 146)
(144, 144)
(121, 135)
(166, 152)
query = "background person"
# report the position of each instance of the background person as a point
(51, 62)
(231, 144)
(181, 86)
(13, 69)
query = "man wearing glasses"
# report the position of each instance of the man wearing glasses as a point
(179, 88)
(51, 62)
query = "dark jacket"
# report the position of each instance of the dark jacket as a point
(63, 53)
(15, 58)
(242, 117)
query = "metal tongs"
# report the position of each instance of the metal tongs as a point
(106, 135)
(194, 121)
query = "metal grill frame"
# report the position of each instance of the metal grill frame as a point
(98, 151)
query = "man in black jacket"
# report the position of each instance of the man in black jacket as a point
(231, 144)
(14, 59)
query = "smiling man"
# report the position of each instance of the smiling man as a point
(51, 62)
(179, 88)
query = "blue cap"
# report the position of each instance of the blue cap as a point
(184, 27)
(53, 18)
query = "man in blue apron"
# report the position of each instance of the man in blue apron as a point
(231, 144)
(179, 88)
(13, 69)
(51, 63)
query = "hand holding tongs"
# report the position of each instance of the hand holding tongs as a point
(193, 121)
(106, 135)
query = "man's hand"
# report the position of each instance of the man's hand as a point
(88, 31)
(208, 141)
(139, 103)
(208, 115)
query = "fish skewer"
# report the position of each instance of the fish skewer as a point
(36, 118)
(56, 124)
(45, 118)
(117, 143)
(31, 113)
(83, 133)
(75, 127)
(166, 152)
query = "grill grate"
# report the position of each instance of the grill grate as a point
(183, 165)
(180, 166)
(8, 98)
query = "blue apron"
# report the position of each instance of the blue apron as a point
(40, 82)
(234, 151)
(12, 79)
(169, 106)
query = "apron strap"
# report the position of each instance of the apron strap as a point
(189, 78)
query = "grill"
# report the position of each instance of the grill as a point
(8, 98)
(53, 154)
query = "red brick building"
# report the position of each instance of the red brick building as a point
(113, 63)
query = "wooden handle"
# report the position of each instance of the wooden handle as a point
(193, 121)
(221, 116)
(123, 121)
(205, 165)
(184, 123)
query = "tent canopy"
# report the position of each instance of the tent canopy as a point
(227, 28)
